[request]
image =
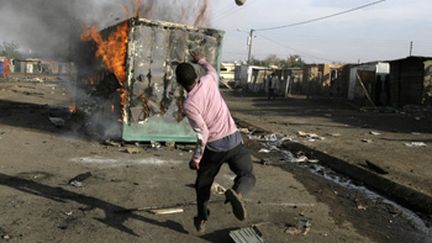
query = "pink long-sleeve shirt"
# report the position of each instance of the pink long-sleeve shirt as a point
(207, 111)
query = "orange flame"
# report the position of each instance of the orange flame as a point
(72, 108)
(111, 51)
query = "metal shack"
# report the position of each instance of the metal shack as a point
(148, 104)
(410, 81)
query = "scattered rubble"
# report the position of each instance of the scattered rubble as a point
(415, 144)
(112, 143)
(57, 121)
(302, 228)
(263, 150)
(155, 145)
(360, 204)
(247, 235)
(244, 130)
(185, 147)
(375, 133)
(170, 144)
(312, 137)
(77, 180)
(132, 150)
(216, 188)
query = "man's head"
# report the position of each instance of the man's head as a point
(186, 75)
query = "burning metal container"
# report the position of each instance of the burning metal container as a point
(127, 85)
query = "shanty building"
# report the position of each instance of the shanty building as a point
(411, 81)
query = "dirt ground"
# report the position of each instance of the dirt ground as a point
(38, 205)
(348, 132)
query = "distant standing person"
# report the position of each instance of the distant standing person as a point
(218, 140)
(270, 88)
(273, 86)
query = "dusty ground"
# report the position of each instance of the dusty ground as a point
(37, 204)
(344, 128)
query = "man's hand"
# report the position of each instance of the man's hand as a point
(196, 56)
(193, 165)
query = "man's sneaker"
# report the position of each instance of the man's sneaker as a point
(237, 205)
(199, 224)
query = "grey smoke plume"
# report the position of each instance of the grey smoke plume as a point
(51, 28)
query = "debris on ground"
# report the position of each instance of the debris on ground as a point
(166, 211)
(415, 144)
(112, 143)
(170, 144)
(256, 159)
(185, 147)
(57, 121)
(415, 133)
(376, 168)
(360, 204)
(365, 140)
(247, 235)
(263, 150)
(298, 158)
(77, 180)
(335, 135)
(155, 145)
(216, 188)
(302, 228)
(271, 138)
(293, 231)
(375, 133)
(132, 150)
(311, 136)
(244, 130)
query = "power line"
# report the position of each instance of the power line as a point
(252, 31)
(321, 18)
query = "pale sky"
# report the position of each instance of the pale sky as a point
(379, 32)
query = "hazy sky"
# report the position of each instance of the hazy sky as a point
(379, 32)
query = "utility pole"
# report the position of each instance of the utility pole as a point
(249, 43)
(411, 48)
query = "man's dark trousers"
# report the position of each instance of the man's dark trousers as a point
(239, 161)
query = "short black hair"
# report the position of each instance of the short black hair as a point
(186, 74)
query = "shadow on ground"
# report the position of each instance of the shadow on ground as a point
(115, 215)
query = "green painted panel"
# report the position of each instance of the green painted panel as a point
(157, 129)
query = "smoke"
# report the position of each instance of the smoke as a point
(51, 28)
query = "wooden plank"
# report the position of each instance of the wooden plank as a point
(365, 91)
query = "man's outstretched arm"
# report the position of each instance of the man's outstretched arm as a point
(211, 73)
